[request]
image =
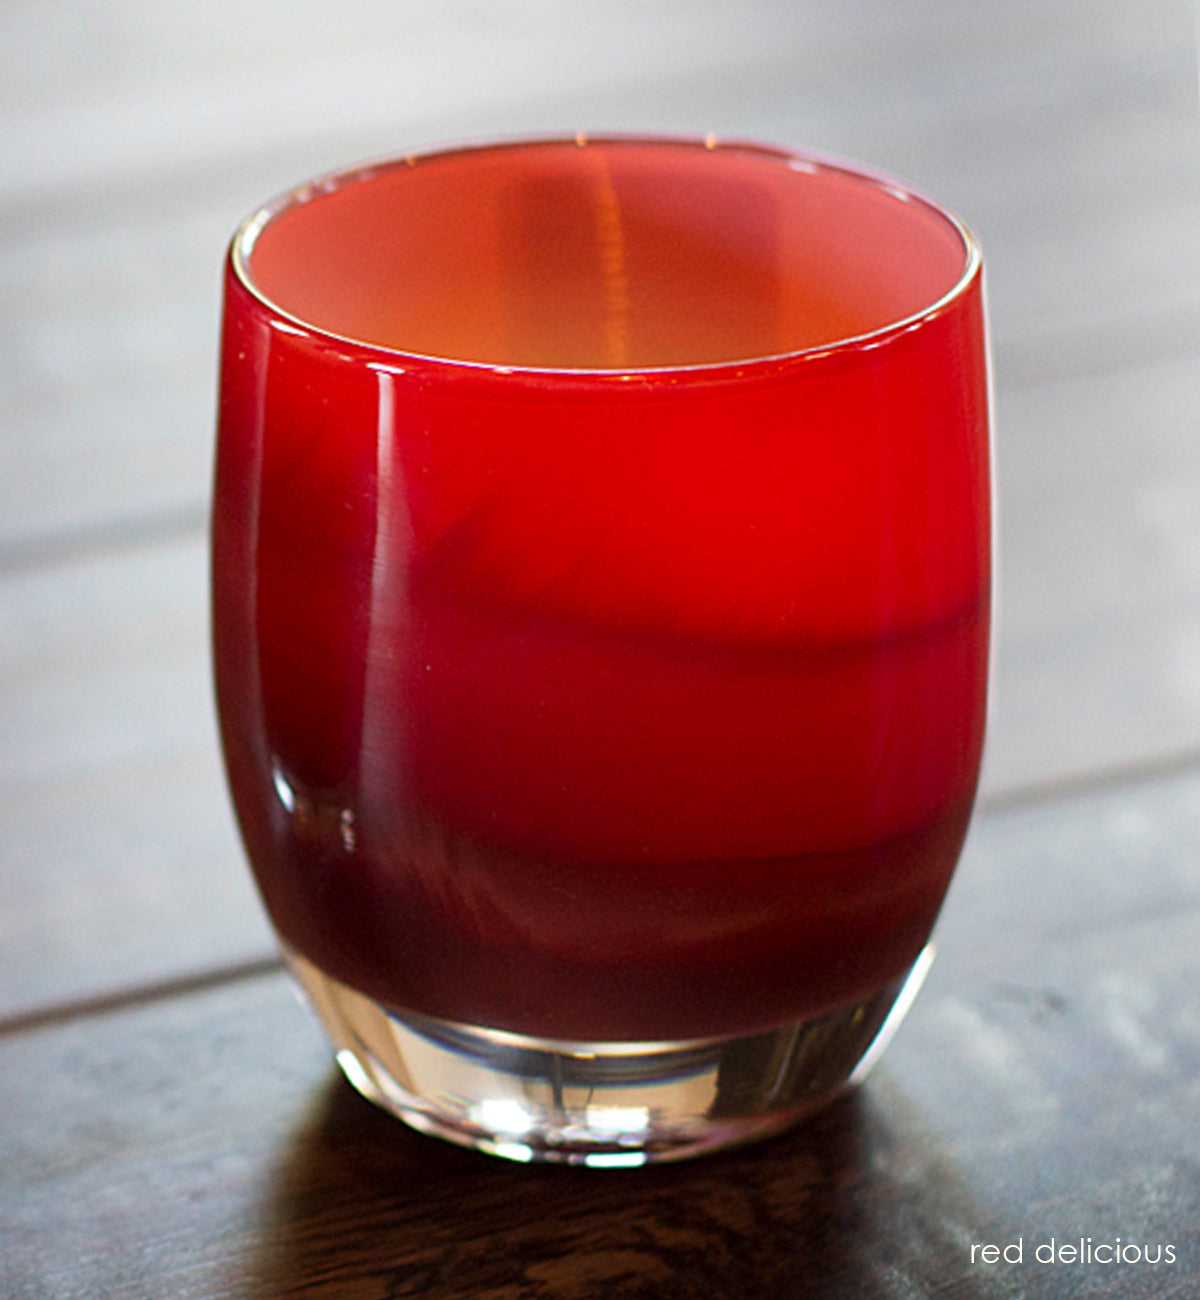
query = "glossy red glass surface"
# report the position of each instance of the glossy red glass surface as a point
(601, 581)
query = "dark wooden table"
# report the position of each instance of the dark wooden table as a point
(170, 1124)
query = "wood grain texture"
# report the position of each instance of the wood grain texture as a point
(1044, 1086)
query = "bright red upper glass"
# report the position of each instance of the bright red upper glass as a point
(601, 570)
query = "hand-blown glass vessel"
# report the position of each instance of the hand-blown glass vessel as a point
(601, 570)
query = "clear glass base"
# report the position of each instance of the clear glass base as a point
(599, 1104)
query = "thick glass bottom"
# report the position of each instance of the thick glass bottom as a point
(599, 1104)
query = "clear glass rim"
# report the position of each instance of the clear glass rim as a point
(247, 234)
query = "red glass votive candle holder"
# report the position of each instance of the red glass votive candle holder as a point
(601, 573)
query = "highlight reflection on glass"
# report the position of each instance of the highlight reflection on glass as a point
(601, 589)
